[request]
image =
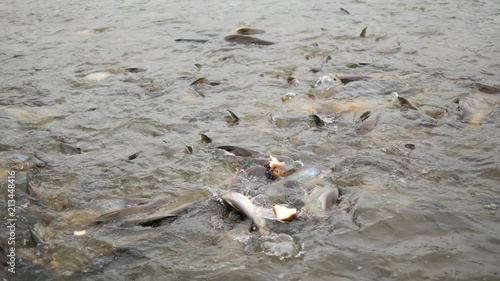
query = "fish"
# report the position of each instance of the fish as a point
(357, 64)
(199, 81)
(352, 65)
(192, 40)
(249, 31)
(339, 87)
(34, 189)
(214, 83)
(319, 65)
(304, 174)
(316, 120)
(133, 156)
(114, 201)
(232, 118)
(244, 39)
(188, 149)
(134, 69)
(410, 146)
(92, 31)
(246, 157)
(156, 217)
(281, 166)
(295, 194)
(406, 104)
(363, 32)
(205, 139)
(364, 116)
(352, 78)
(240, 151)
(487, 88)
(68, 149)
(328, 197)
(469, 113)
(412, 112)
(324, 197)
(257, 172)
(130, 211)
(198, 93)
(368, 121)
(241, 203)
(37, 233)
(292, 81)
(345, 11)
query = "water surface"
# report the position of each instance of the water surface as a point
(407, 214)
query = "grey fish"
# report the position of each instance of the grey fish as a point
(368, 121)
(192, 40)
(37, 232)
(113, 201)
(134, 69)
(156, 217)
(34, 189)
(364, 116)
(412, 112)
(205, 139)
(232, 119)
(319, 65)
(257, 172)
(295, 194)
(352, 78)
(198, 93)
(345, 11)
(188, 149)
(133, 156)
(406, 104)
(241, 203)
(363, 32)
(243, 39)
(240, 151)
(292, 81)
(130, 211)
(199, 81)
(249, 31)
(303, 174)
(316, 120)
(467, 108)
(325, 197)
(410, 146)
(487, 88)
(69, 150)
(248, 157)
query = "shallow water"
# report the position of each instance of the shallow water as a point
(406, 214)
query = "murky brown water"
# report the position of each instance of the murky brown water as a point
(406, 214)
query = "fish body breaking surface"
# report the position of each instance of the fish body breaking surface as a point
(241, 203)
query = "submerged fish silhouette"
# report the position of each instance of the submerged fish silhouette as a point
(243, 39)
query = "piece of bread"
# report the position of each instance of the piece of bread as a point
(284, 213)
(274, 163)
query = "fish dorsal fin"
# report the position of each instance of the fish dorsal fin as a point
(110, 216)
(337, 80)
